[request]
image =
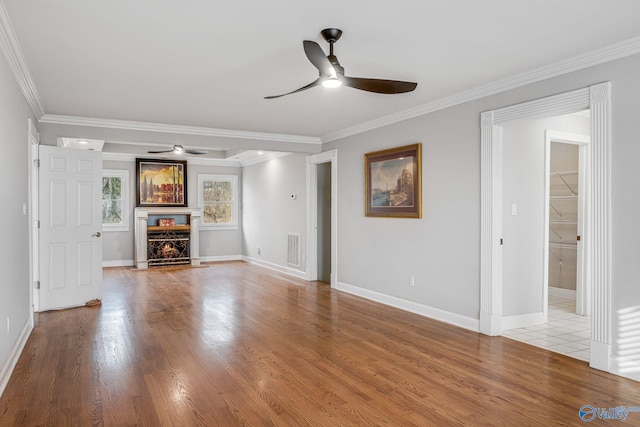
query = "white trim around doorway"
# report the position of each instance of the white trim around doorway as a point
(312, 214)
(597, 98)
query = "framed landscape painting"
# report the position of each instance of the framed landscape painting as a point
(393, 182)
(161, 183)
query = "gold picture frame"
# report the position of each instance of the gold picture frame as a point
(393, 182)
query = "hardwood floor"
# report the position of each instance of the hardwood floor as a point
(236, 344)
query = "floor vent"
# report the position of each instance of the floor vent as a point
(293, 249)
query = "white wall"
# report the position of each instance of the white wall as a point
(269, 212)
(441, 249)
(117, 246)
(14, 252)
(523, 234)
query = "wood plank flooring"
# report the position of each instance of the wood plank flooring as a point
(236, 344)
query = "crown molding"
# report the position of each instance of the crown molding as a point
(128, 157)
(600, 56)
(262, 159)
(175, 129)
(213, 162)
(10, 49)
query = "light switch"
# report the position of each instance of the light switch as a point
(514, 209)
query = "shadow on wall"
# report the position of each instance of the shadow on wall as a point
(629, 342)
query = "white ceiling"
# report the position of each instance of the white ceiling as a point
(201, 63)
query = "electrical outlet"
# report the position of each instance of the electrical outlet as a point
(412, 281)
(258, 250)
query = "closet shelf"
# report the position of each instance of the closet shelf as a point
(563, 221)
(563, 197)
(563, 173)
(563, 245)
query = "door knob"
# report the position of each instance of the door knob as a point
(98, 234)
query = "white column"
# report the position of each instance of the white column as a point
(140, 228)
(599, 258)
(194, 238)
(490, 261)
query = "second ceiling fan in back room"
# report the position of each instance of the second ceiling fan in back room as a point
(179, 149)
(332, 73)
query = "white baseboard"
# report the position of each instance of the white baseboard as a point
(413, 307)
(221, 258)
(562, 293)
(521, 321)
(600, 356)
(8, 367)
(290, 271)
(118, 263)
(131, 263)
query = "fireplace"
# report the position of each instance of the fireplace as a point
(166, 237)
(167, 247)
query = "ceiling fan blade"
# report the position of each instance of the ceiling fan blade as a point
(309, 86)
(160, 152)
(196, 151)
(378, 85)
(316, 56)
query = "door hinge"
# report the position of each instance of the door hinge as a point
(36, 223)
(36, 284)
(578, 238)
(36, 163)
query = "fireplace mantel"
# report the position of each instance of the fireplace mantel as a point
(141, 224)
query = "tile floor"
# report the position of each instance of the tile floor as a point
(565, 332)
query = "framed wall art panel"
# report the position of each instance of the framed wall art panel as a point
(161, 183)
(393, 181)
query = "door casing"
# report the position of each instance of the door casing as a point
(312, 214)
(597, 98)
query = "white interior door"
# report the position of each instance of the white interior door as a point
(70, 227)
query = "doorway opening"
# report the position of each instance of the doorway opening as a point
(553, 164)
(598, 227)
(324, 222)
(567, 172)
(322, 217)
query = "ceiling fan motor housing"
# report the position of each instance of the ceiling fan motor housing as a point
(331, 35)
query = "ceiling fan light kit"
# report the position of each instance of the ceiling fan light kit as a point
(331, 82)
(332, 73)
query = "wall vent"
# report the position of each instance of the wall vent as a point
(293, 249)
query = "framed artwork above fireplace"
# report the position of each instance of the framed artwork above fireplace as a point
(161, 182)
